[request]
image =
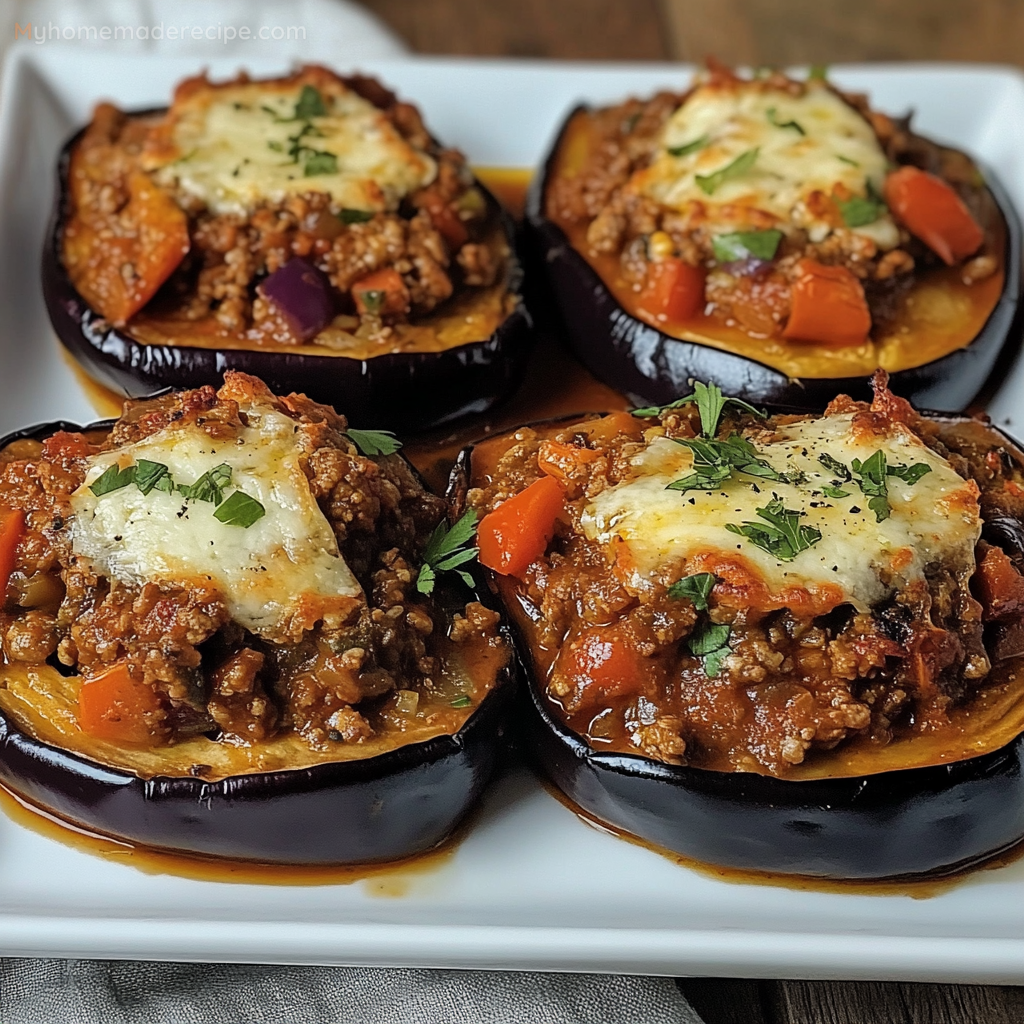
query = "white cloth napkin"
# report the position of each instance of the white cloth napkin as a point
(130, 992)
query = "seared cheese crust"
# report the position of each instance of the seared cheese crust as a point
(654, 535)
(236, 145)
(805, 144)
(285, 564)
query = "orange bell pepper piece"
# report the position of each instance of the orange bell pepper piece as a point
(12, 529)
(828, 305)
(518, 531)
(113, 705)
(674, 290)
(932, 211)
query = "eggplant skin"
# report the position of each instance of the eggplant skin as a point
(916, 822)
(394, 805)
(653, 368)
(401, 390)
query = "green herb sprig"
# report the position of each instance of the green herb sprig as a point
(709, 640)
(710, 183)
(710, 403)
(446, 550)
(696, 588)
(689, 147)
(374, 442)
(773, 118)
(781, 533)
(862, 210)
(739, 244)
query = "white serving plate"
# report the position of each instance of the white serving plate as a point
(531, 886)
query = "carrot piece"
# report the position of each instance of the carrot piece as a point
(381, 292)
(828, 305)
(931, 210)
(445, 219)
(674, 290)
(517, 532)
(601, 664)
(563, 461)
(12, 529)
(113, 705)
(998, 585)
(119, 268)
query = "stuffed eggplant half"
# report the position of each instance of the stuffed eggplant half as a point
(780, 237)
(789, 643)
(235, 626)
(306, 229)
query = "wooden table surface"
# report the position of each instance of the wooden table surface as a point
(753, 32)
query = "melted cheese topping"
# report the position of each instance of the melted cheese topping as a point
(286, 563)
(837, 148)
(234, 146)
(652, 533)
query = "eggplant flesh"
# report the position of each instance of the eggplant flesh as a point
(400, 390)
(653, 368)
(927, 820)
(385, 807)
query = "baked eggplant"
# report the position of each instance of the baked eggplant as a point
(787, 645)
(775, 236)
(149, 698)
(391, 288)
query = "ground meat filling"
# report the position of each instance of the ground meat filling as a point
(208, 674)
(619, 220)
(617, 661)
(439, 240)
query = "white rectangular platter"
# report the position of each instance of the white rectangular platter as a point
(531, 886)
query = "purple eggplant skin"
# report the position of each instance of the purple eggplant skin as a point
(394, 805)
(405, 391)
(916, 822)
(653, 368)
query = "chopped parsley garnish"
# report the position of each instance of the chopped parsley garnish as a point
(320, 162)
(714, 462)
(239, 509)
(349, 216)
(446, 550)
(462, 701)
(709, 183)
(847, 160)
(374, 442)
(872, 473)
(834, 492)
(781, 534)
(709, 401)
(113, 478)
(697, 588)
(310, 104)
(689, 147)
(861, 210)
(834, 465)
(774, 119)
(150, 475)
(909, 474)
(210, 486)
(709, 641)
(740, 244)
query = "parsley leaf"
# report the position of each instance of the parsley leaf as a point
(689, 147)
(210, 486)
(714, 462)
(709, 183)
(374, 442)
(909, 474)
(834, 492)
(740, 244)
(859, 211)
(150, 474)
(239, 510)
(709, 401)
(113, 478)
(446, 550)
(350, 216)
(773, 119)
(781, 534)
(872, 473)
(310, 104)
(834, 465)
(697, 588)
(709, 641)
(320, 162)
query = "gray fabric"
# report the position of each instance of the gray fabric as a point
(134, 992)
